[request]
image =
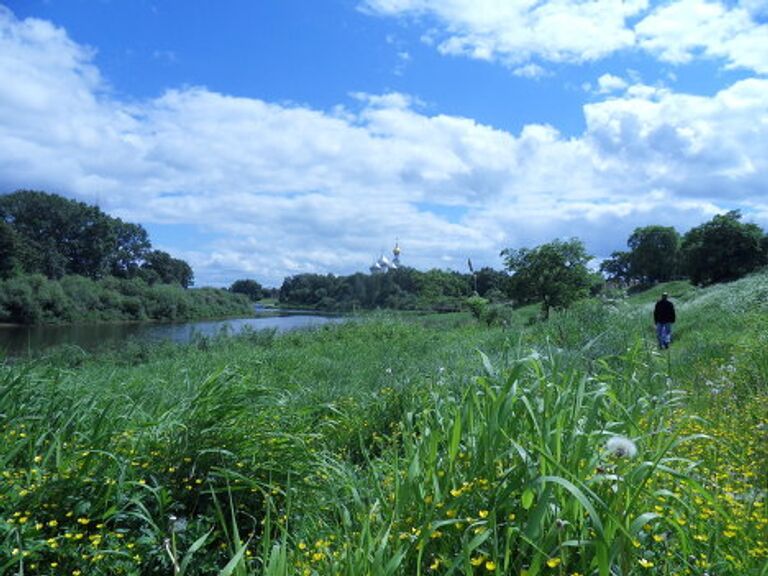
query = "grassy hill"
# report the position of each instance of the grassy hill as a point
(394, 446)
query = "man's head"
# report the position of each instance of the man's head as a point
(664, 295)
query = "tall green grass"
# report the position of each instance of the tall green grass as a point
(394, 446)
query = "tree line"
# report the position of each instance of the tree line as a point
(402, 289)
(66, 261)
(47, 234)
(554, 274)
(720, 250)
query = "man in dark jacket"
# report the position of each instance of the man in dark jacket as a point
(664, 317)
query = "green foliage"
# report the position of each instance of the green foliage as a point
(63, 236)
(477, 306)
(396, 448)
(18, 302)
(723, 249)
(400, 289)
(131, 247)
(492, 284)
(252, 289)
(554, 274)
(654, 253)
(34, 299)
(47, 234)
(618, 266)
(161, 268)
(653, 256)
(9, 250)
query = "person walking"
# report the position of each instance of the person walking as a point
(664, 317)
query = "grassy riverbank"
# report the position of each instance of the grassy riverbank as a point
(391, 446)
(33, 299)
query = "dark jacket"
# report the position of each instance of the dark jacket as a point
(664, 312)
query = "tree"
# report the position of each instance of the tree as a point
(63, 236)
(617, 266)
(554, 274)
(723, 249)
(435, 284)
(250, 288)
(654, 253)
(490, 281)
(161, 267)
(131, 246)
(9, 248)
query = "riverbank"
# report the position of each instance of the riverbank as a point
(393, 446)
(33, 299)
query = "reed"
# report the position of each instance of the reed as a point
(402, 446)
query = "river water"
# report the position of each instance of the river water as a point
(23, 340)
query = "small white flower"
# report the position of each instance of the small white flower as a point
(621, 447)
(177, 524)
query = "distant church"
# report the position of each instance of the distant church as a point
(384, 264)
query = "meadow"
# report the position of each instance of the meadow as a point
(402, 445)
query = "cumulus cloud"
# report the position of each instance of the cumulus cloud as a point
(562, 31)
(683, 30)
(608, 83)
(703, 147)
(287, 189)
(575, 31)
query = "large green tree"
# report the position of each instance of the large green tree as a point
(554, 274)
(654, 253)
(131, 246)
(51, 235)
(249, 287)
(61, 236)
(723, 249)
(618, 266)
(653, 256)
(161, 267)
(488, 281)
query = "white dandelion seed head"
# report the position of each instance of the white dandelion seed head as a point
(621, 447)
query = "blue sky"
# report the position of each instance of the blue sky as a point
(268, 138)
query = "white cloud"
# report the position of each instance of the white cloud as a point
(293, 189)
(558, 31)
(575, 31)
(686, 29)
(698, 146)
(530, 71)
(608, 83)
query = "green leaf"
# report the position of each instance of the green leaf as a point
(579, 495)
(233, 563)
(453, 446)
(527, 499)
(196, 545)
(415, 468)
(642, 520)
(487, 364)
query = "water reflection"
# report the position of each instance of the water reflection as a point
(23, 340)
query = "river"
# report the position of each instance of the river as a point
(24, 340)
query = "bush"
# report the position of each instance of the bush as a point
(477, 306)
(34, 299)
(18, 303)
